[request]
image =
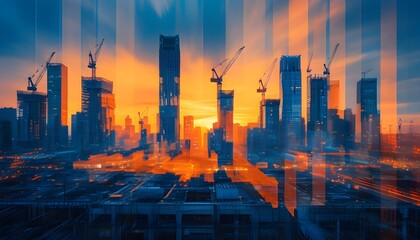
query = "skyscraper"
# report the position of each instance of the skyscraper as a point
(291, 89)
(368, 112)
(169, 90)
(31, 118)
(317, 111)
(225, 156)
(57, 129)
(98, 105)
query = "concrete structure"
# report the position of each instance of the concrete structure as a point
(291, 89)
(57, 85)
(169, 90)
(31, 118)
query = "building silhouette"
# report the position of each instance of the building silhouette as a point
(31, 119)
(57, 85)
(291, 89)
(317, 111)
(225, 155)
(7, 129)
(98, 104)
(272, 123)
(188, 130)
(368, 112)
(169, 90)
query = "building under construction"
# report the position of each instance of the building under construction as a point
(98, 104)
(31, 118)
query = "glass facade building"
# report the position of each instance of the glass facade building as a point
(98, 105)
(317, 111)
(57, 85)
(291, 89)
(169, 89)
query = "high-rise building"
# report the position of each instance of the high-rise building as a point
(225, 156)
(368, 113)
(57, 128)
(272, 124)
(317, 111)
(8, 129)
(79, 131)
(169, 90)
(272, 117)
(291, 89)
(31, 118)
(98, 104)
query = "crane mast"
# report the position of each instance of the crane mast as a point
(33, 86)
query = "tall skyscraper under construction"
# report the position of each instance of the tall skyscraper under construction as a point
(98, 106)
(291, 89)
(57, 129)
(31, 118)
(169, 90)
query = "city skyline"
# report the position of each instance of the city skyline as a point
(204, 44)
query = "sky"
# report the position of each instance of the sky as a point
(381, 35)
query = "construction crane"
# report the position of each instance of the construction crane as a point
(364, 73)
(263, 88)
(94, 58)
(33, 86)
(328, 65)
(308, 68)
(216, 78)
(141, 122)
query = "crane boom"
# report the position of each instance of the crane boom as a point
(308, 68)
(232, 61)
(328, 65)
(33, 86)
(269, 72)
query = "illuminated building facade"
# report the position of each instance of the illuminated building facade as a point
(291, 89)
(169, 90)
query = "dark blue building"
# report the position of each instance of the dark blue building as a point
(169, 90)
(369, 116)
(317, 111)
(291, 87)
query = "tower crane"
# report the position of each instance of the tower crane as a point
(218, 79)
(365, 72)
(33, 86)
(94, 58)
(328, 65)
(263, 88)
(141, 122)
(308, 68)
